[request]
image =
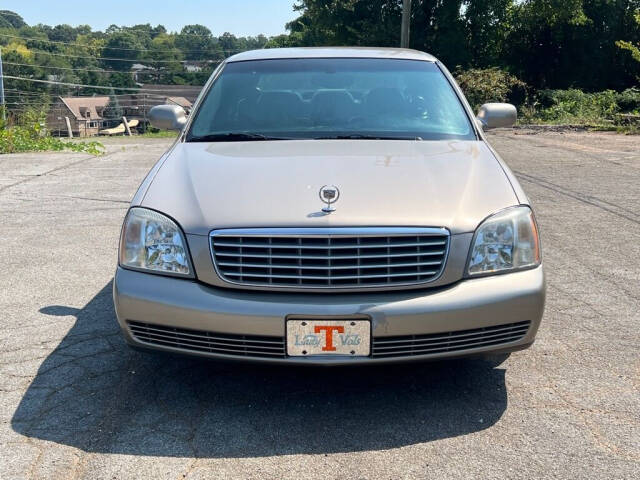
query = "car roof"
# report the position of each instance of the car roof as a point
(332, 52)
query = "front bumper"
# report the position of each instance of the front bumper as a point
(470, 307)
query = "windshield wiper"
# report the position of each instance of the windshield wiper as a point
(233, 137)
(359, 136)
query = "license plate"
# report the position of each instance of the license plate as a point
(328, 337)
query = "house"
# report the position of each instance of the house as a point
(183, 102)
(192, 67)
(89, 115)
(85, 115)
(137, 105)
(138, 69)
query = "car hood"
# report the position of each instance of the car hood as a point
(452, 184)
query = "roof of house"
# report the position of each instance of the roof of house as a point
(190, 92)
(80, 105)
(140, 66)
(183, 102)
(332, 52)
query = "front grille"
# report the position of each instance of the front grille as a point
(411, 345)
(330, 258)
(209, 342)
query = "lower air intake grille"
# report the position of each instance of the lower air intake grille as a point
(274, 347)
(208, 342)
(412, 345)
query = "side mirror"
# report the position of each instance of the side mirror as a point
(168, 117)
(496, 115)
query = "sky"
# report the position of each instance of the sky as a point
(240, 17)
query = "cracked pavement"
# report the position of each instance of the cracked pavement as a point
(75, 402)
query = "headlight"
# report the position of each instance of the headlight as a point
(505, 241)
(151, 241)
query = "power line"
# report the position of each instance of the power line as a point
(69, 68)
(129, 97)
(132, 102)
(137, 60)
(20, 92)
(79, 85)
(145, 92)
(35, 39)
(101, 70)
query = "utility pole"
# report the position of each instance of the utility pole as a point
(406, 21)
(4, 112)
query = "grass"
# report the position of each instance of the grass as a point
(159, 134)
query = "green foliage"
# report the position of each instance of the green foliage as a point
(79, 55)
(568, 106)
(588, 44)
(122, 45)
(11, 19)
(608, 109)
(580, 108)
(197, 42)
(631, 48)
(491, 85)
(29, 135)
(347, 22)
(155, 133)
(113, 109)
(629, 100)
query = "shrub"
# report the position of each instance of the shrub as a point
(491, 85)
(629, 100)
(29, 136)
(575, 106)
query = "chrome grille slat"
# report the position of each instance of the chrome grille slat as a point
(328, 277)
(338, 267)
(208, 342)
(450, 341)
(412, 345)
(332, 257)
(449, 348)
(309, 258)
(327, 247)
(404, 342)
(160, 330)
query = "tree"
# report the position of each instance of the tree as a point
(163, 48)
(197, 43)
(439, 28)
(167, 57)
(9, 19)
(124, 47)
(572, 43)
(63, 33)
(113, 110)
(229, 43)
(486, 25)
(347, 22)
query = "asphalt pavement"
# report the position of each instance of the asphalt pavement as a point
(75, 402)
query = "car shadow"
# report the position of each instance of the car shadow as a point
(94, 393)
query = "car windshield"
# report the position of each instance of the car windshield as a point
(327, 98)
